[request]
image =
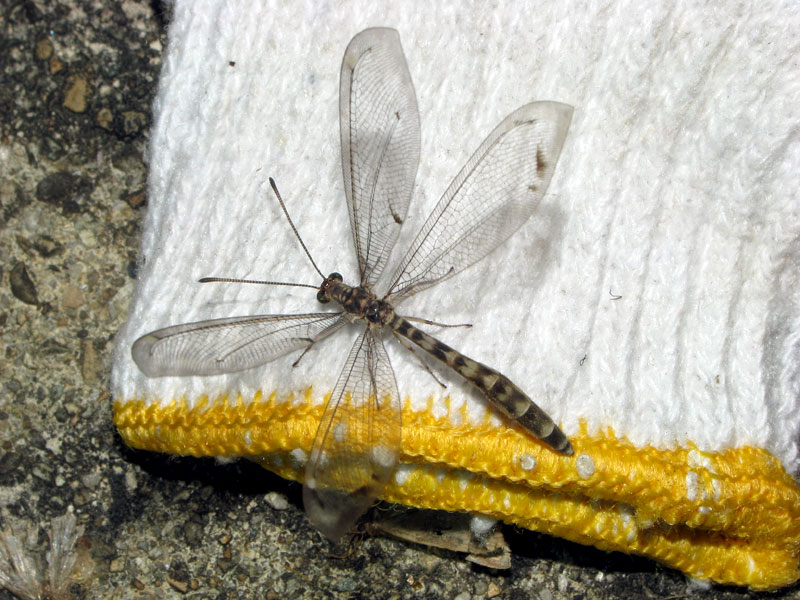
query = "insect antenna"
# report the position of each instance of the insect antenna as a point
(299, 239)
(288, 218)
(232, 280)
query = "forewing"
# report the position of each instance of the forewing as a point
(379, 125)
(227, 345)
(355, 451)
(493, 195)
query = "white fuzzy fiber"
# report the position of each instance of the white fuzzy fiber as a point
(655, 291)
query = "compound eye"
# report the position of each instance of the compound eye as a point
(322, 297)
(335, 276)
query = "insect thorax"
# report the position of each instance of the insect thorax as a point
(359, 301)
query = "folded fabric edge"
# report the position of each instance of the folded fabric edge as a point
(730, 516)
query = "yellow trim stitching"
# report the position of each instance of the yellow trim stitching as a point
(731, 517)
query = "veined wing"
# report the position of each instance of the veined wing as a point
(227, 345)
(493, 195)
(355, 451)
(379, 126)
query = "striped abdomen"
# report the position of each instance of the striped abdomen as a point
(498, 389)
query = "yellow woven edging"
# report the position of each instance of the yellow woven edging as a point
(731, 517)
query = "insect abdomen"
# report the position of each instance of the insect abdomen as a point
(499, 389)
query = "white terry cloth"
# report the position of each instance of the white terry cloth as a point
(654, 293)
(677, 190)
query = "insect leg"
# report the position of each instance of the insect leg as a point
(410, 348)
(436, 323)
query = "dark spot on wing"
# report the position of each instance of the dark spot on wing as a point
(541, 163)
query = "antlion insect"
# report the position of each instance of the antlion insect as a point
(356, 447)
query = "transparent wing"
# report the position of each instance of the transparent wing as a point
(355, 451)
(493, 195)
(227, 345)
(379, 125)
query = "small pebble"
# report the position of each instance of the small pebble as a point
(277, 501)
(22, 285)
(76, 96)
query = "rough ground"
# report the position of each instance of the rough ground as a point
(78, 78)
